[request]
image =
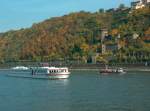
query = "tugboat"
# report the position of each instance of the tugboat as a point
(111, 70)
(120, 70)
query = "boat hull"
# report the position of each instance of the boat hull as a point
(58, 75)
(38, 76)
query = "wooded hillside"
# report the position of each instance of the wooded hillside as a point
(75, 36)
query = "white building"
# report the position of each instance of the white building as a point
(140, 4)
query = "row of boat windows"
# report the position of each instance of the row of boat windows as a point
(55, 71)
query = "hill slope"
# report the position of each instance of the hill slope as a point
(72, 36)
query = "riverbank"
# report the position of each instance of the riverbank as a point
(84, 67)
(142, 69)
(129, 69)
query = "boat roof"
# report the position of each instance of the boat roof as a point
(58, 68)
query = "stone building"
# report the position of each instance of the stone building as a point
(105, 45)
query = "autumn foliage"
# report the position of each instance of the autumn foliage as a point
(73, 36)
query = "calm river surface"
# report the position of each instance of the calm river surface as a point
(83, 91)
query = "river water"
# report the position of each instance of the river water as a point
(83, 91)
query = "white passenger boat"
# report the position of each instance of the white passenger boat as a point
(57, 72)
(43, 73)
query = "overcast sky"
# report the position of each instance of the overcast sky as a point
(16, 14)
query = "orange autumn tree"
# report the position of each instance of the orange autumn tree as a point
(114, 32)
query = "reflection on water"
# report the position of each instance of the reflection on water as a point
(83, 91)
